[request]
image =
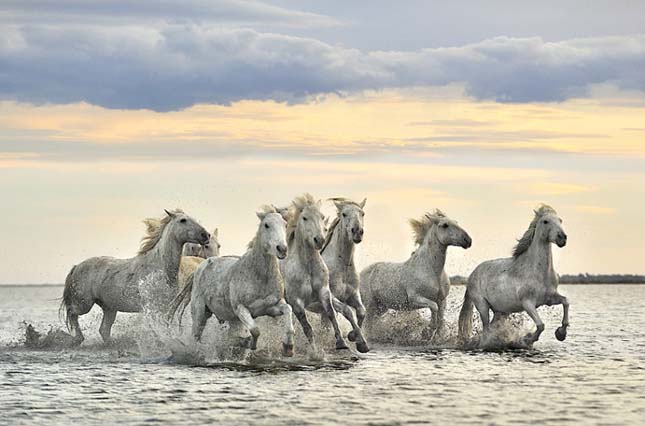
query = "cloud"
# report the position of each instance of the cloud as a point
(120, 12)
(174, 66)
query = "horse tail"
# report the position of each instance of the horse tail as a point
(466, 317)
(182, 300)
(66, 300)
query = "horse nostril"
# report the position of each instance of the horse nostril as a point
(206, 235)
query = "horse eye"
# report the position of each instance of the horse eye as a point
(266, 225)
(344, 215)
(444, 225)
(219, 246)
(183, 220)
(546, 222)
(304, 218)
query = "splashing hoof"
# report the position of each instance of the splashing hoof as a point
(561, 333)
(287, 350)
(362, 347)
(341, 345)
(351, 336)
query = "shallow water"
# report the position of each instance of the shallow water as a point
(597, 376)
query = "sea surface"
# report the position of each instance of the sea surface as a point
(595, 377)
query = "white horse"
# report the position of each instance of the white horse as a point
(421, 281)
(113, 284)
(523, 282)
(338, 252)
(192, 255)
(210, 249)
(240, 289)
(305, 273)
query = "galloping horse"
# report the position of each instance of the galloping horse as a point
(523, 282)
(421, 281)
(204, 251)
(305, 273)
(240, 289)
(113, 284)
(338, 252)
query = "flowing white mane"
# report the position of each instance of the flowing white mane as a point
(154, 231)
(421, 227)
(524, 242)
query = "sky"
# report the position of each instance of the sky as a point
(111, 111)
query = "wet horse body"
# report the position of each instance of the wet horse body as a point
(305, 272)
(338, 253)
(113, 284)
(523, 282)
(240, 289)
(421, 281)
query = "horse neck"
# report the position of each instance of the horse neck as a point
(167, 255)
(308, 256)
(538, 256)
(261, 263)
(342, 245)
(433, 250)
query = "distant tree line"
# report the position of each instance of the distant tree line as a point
(580, 279)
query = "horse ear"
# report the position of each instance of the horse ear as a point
(171, 214)
(338, 205)
(260, 215)
(216, 232)
(362, 204)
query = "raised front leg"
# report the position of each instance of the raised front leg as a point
(419, 302)
(529, 307)
(561, 332)
(356, 334)
(247, 320)
(284, 309)
(328, 308)
(105, 329)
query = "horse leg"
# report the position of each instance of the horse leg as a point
(484, 312)
(419, 302)
(356, 302)
(109, 315)
(441, 312)
(561, 332)
(199, 316)
(529, 307)
(301, 315)
(328, 308)
(75, 328)
(361, 344)
(284, 309)
(247, 319)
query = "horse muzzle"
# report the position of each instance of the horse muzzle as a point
(281, 251)
(561, 240)
(467, 243)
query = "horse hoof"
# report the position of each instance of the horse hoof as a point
(561, 333)
(287, 350)
(362, 347)
(341, 345)
(351, 336)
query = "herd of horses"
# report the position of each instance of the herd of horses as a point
(297, 264)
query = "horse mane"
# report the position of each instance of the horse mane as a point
(330, 233)
(296, 208)
(420, 227)
(154, 231)
(524, 243)
(264, 209)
